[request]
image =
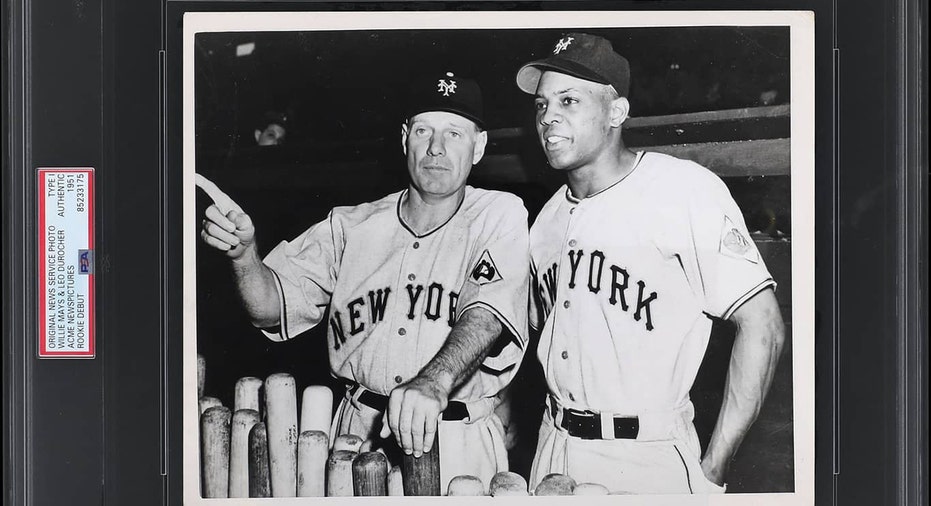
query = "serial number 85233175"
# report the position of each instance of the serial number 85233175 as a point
(77, 184)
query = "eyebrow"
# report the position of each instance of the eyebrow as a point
(560, 92)
(450, 124)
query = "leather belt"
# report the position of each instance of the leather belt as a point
(455, 411)
(592, 425)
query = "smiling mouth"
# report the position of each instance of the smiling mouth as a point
(554, 141)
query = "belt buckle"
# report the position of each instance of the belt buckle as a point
(607, 426)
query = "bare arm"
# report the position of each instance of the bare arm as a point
(415, 407)
(234, 233)
(467, 345)
(757, 347)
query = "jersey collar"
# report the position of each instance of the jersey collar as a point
(441, 225)
(575, 200)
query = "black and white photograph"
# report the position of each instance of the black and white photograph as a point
(499, 254)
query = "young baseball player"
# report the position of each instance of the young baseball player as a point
(426, 290)
(630, 261)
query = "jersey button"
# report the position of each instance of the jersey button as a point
(411, 277)
(398, 379)
(416, 245)
(565, 355)
(572, 243)
(402, 331)
(566, 304)
(572, 210)
(571, 397)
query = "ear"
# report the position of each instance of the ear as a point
(620, 110)
(405, 130)
(478, 149)
(258, 133)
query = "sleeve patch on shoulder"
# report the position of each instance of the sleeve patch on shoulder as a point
(485, 270)
(735, 244)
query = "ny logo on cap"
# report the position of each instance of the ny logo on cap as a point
(446, 87)
(562, 45)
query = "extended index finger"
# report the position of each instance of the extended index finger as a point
(220, 199)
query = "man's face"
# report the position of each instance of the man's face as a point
(271, 136)
(574, 120)
(441, 148)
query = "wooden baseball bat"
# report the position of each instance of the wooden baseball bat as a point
(395, 482)
(246, 394)
(507, 483)
(465, 485)
(316, 408)
(201, 375)
(339, 474)
(348, 442)
(243, 421)
(369, 446)
(281, 421)
(370, 475)
(259, 482)
(215, 451)
(555, 484)
(205, 403)
(312, 449)
(421, 475)
(590, 489)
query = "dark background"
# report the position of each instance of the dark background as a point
(347, 85)
(342, 92)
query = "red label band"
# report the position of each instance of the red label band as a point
(66, 263)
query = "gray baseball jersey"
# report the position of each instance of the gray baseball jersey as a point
(626, 279)
(393, 295)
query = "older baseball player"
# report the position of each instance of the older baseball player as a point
(426, 290)
(630, 261)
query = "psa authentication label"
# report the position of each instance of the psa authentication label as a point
(66, 263)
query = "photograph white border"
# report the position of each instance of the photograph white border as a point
(802, 57)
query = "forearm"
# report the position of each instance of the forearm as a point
(757, 347)
(468, 344)
(415, 406)
(256, 285)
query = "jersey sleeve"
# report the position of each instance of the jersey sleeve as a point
(730, 268)
(305, 276)
(497, 279)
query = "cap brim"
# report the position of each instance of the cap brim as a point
(528, 77)
(469, 116)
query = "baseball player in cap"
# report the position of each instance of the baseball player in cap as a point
(426, 290)
(630, 261)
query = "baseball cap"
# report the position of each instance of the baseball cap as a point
(445, 91)
(580, 55)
